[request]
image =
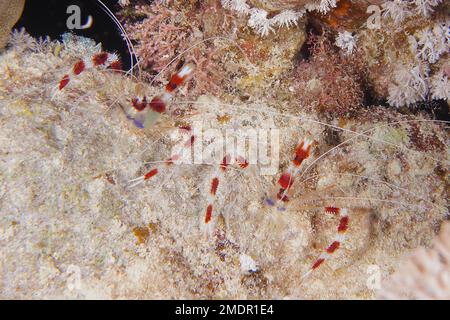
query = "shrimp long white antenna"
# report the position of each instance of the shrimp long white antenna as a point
(131, 49)
(196, 45)
(331, 150)
(286, 180)
(145, 113)
(364, 134)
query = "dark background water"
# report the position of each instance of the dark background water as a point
(49, 18)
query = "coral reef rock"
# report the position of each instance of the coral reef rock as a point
(72, 227)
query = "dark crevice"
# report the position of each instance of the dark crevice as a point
(49, 18)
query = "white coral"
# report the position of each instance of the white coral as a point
(433, 43)
(397, 10)
(411, 85)
(240, 6)
(80, 46)
(259, 22)
(324, 6)
(346, 41)
(440, 86)
(263, 25)
(124, 3)
(21, 41)
(287, 18)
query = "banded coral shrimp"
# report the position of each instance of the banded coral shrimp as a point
(105, 153)
(284, 183)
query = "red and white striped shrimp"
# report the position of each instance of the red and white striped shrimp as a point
(280, 197)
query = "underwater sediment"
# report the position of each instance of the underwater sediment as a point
(72, 227)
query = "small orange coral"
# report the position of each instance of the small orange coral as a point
(348, 15)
